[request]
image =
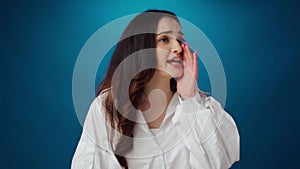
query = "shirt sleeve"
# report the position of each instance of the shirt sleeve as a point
(93, 150)
(209, 132)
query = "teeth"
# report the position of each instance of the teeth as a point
(179, 61)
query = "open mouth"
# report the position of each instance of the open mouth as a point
(175, 61)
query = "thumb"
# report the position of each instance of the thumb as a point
(178, 88)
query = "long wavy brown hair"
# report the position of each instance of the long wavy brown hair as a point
(139, 34)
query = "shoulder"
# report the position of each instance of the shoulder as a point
(97, 107)
(96, 130)
(100, 107)
(99, 100)
(103, 94)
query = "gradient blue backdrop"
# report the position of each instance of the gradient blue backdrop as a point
(258, 42)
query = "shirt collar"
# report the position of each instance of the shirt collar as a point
(141, 122)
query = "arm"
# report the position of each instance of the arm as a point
(209, 132)
(94, 150)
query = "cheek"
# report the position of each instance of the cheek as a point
(162, 53)
(160, 61)
(161, 57)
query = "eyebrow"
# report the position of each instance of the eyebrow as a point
(170, 32)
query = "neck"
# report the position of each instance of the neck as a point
(155, 105)
(159, 82)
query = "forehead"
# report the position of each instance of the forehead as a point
(168, 24)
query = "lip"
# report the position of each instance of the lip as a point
(176, 58)
(177, 65)
(175, 61)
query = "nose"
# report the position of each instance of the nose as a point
(176, 46)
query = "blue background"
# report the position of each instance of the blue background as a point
(258, 43)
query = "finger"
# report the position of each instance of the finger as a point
(195, 64)
(178, 88)
(197, 68)
(186, 60)
(184, 64)
(184, 55)
(196, 58)
(189, 54)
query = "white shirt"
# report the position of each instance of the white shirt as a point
(195, 134)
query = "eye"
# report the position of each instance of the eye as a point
(181, 41)
(164, 39)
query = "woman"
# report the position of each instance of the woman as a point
(149, 112)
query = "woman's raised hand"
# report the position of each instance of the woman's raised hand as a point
(187, 84)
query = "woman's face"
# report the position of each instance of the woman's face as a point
(168, 48)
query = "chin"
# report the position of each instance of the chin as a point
(171, 74)
(178, 74)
